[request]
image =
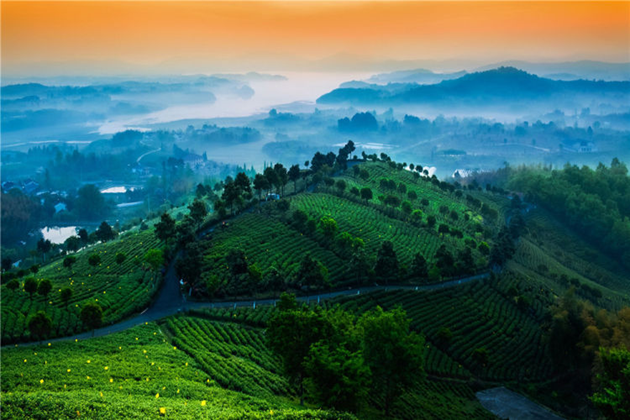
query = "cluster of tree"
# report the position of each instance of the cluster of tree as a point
(237, 193)
(593, 347)
(595, 202)
(20, 215)
(245, 277)
(212, 134)
(613, 395)
(361, 121)
(337, 360)
(31, 286)
(577, 330)
(40, 324)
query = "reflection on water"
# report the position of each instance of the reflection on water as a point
(299, 87)
(115, 190)
(58, 235)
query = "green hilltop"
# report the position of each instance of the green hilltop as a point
(503, 290)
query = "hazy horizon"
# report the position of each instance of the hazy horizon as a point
(127, 38)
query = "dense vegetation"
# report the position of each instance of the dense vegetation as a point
(596, 202)
(375, 223)
(140, 374)
(551, 302)
(115, 274)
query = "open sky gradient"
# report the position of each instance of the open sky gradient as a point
(239, 35)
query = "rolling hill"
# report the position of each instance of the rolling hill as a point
(502, 86)
(493, 331)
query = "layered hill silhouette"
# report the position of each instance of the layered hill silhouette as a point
(504, 85)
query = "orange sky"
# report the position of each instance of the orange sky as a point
(223, 34)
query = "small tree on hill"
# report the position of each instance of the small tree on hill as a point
(198, 211)
(366, 194)
(419, 267)
(40, 325)
(68, 262)
(237, 262)
(155, 258)
(244, 184)
(312, 273)
(165, 228)
(613, 397)
(94, 260)
(387, 262)
(30, 286)
(406, 207)
(341, 186)
(445, 261)
(328, 226)
(13, 285)
(66, 294)
(92, 316)
(272, 177)
(336, 376)
(294, 175)
(282, 177)
(300, 218)
(44, 287)
(7, 263)
(358, 264)
(105, 232)
(120, 258)
(83, 236)
(402, 189)
(392, 352)
(290, 334)
(261, 183)
(44, 247)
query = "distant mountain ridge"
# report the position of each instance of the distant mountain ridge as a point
(572, 70)
(419, 76)
(492, 87)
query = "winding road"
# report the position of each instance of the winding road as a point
(170, 301)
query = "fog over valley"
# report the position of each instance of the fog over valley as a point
(322, 210)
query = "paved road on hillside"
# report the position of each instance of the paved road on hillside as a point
(170, 301)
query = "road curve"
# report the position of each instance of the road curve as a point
(170, 302)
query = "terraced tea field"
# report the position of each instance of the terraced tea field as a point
(139, 374)
(121, 289)
(478, 315)
(270, 239)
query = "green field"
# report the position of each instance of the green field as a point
(177, 364)
(121, 289)
(271, 238)
(214, 363)
(136, 373)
